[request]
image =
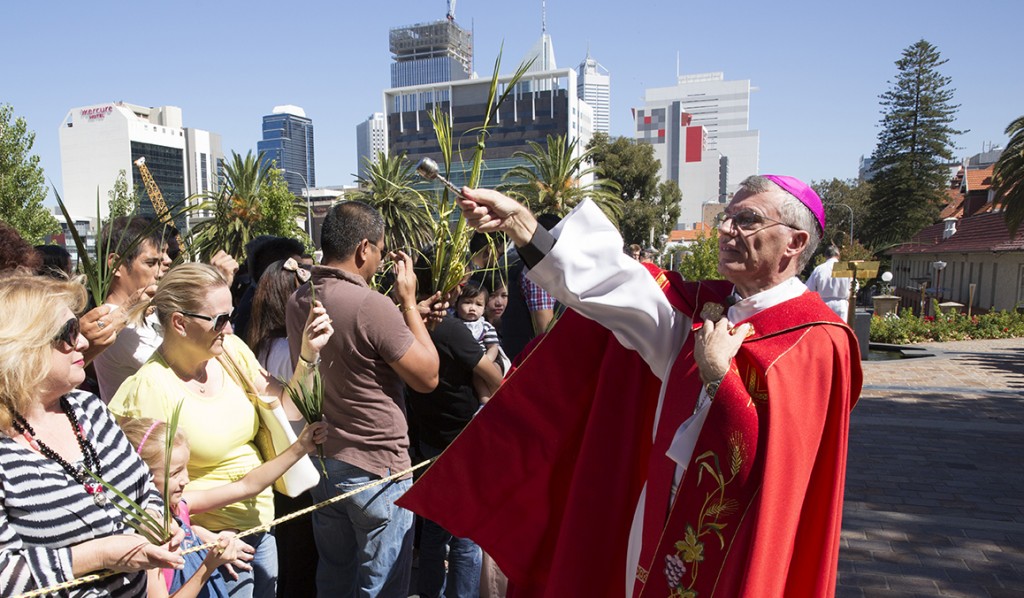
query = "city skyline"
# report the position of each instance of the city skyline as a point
(818, 70)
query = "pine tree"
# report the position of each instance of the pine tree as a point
(914, 146)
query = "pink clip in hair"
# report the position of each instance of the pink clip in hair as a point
(145, 436)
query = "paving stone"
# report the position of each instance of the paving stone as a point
(931, 507)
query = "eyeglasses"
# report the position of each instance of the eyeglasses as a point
(219, 320)
(747, 220)
(67, 338)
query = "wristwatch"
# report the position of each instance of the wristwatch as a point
(712, 387)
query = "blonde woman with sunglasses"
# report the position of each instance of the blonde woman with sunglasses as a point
(202, 362)
(56, 523)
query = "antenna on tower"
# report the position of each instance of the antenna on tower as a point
(451, 10)
(543, 16)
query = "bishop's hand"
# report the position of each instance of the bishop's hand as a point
(715, 345)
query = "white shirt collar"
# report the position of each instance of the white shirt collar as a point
(746, 308)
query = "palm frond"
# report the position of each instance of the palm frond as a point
(309, 400)
(1008, 177)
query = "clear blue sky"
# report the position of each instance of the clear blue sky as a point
(819, 66)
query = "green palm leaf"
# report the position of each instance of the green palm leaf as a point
(1008, 177)
(388, 187)
(552, 182)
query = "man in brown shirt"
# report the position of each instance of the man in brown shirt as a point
(365, 542)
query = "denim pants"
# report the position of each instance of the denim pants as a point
(364, 541)
(464, 558)
(261, 582)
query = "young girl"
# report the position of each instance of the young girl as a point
(200, 576)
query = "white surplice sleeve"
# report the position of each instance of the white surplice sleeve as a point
(587, 271)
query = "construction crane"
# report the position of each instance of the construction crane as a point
(157, 198)
(451, 10)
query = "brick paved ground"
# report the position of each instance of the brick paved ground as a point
(935, 487)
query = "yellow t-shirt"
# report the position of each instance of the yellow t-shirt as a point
(220, 429)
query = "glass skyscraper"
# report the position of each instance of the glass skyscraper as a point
(288, 143)
(593, 86)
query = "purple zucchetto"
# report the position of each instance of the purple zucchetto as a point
(803, 192)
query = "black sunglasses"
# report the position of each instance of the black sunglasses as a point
(68, 335)
(219, 320)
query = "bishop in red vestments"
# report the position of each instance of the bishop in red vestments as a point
(666, 438)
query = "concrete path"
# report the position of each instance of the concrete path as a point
(935, 487)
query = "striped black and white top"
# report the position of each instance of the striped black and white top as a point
(44, 511)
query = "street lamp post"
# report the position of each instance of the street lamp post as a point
(939, 266)
(309, 198)
(851, 216)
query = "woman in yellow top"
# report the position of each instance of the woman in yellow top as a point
(193, 304)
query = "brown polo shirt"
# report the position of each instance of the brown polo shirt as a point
(364, 398)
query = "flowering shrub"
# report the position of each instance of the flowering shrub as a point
(908, 328)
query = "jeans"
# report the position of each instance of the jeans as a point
(365, 541)
(464, 558)
(261, 582)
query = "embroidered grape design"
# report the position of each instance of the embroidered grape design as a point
(674, 570)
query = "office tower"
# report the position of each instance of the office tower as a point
(593, 86)
(371, 140)
(288, 143)
(427, 53)
(725, 147)
(530, 113)
(541, 57)
(98, 141)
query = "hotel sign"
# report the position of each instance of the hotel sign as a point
(96, 113)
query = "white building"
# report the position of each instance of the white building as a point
(669, 121)
(594, 87)
(371, 140)
(98, 141)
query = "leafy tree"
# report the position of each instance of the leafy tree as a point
(913, 148)
(388, 187)
(1008, 176)
(278, 210)
(650, 209)
(122, 201)
(843, 199)
(701, 261)
(22, 185)
(551, 182)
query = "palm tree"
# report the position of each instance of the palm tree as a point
(1008, 177)
(388, 187)
(552, 181)
(236, 209)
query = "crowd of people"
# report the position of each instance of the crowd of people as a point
(87, 387)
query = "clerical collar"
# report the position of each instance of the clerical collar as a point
(743, 309)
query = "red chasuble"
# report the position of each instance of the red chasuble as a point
(547, 476)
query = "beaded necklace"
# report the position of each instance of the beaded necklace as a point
(90, 459)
